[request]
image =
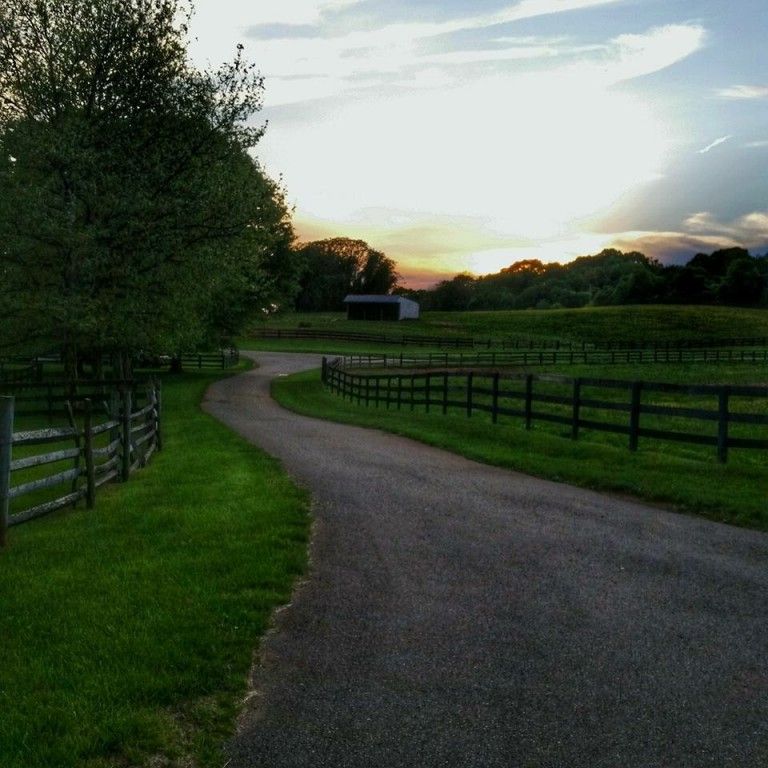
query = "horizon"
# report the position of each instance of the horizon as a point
(463, 137)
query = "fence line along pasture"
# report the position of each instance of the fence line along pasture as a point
(723, 417)
(103, 440)
(21, 370)
(226, 358)
(466, 342)
(559, 357)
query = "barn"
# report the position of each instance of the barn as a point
(364, 307)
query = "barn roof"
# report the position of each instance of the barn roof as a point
(373, 299)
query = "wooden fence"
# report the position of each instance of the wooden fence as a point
(225, 358)
(723, 417)
(559, 357)
(466, 342)
(14, 370)
(102, 441)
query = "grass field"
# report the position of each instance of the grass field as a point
(128, 631)
(662, 323)
(687, 478)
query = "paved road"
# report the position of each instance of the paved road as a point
(460, 615)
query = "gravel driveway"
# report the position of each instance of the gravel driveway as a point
(458, 615)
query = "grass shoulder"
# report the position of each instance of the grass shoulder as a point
(128, 631)
(660, 473)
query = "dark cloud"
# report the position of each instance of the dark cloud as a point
(678, 247)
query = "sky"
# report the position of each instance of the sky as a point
(465, 135)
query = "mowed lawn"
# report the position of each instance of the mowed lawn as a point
(128, 631)
(685, 477)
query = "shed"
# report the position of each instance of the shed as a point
(362, 307)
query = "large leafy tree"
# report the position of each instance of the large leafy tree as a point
(131, 213)
(333, 268)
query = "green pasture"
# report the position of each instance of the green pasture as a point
(628, 323)
(128, 631)
(685, 477)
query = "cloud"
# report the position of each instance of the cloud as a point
(701, 232)
(293, 12)
(751, 228)
(397, 53)
(744, 92)
(715, 143)
(670, 247)
(757, 144)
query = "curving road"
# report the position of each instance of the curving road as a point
(460, 615)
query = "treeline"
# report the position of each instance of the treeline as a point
(133, 217)
(331, 269)
(730, 276)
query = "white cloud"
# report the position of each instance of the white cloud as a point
(395, 54)
(757, 144)
(715, 143)
(749, 229)
(744, 92)
(658, 48)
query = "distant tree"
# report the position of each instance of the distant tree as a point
(455, 294)
(129, 205)
(332, 269)
(743, 283)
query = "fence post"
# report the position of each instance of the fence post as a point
(722, 425)
(576, 408)
(445, 394)
(634, 415)
(90, 468)
(6, 445)
(470, 378)
(324, 372)
(495, 406)
(528, 400)
(427, 389)
(158, 395)
(125, 437)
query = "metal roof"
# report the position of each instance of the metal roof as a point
(373, 299)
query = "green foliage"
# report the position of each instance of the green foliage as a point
(128, 631)
(129, 205)
(332, 269)
(610, 278)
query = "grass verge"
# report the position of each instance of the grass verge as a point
(128, 631)
(664, 473)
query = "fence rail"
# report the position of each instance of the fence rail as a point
(225, 358)
(18, 369)
(97, 450)
(467, 342)
(710, 415)
(558, 357)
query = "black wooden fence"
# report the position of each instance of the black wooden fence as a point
(225, 358)
(20, 370)
(559, 357)
(723, 417)
(103, 440)
(467, 342)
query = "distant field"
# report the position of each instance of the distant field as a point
(687, 477)
(662, 323)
